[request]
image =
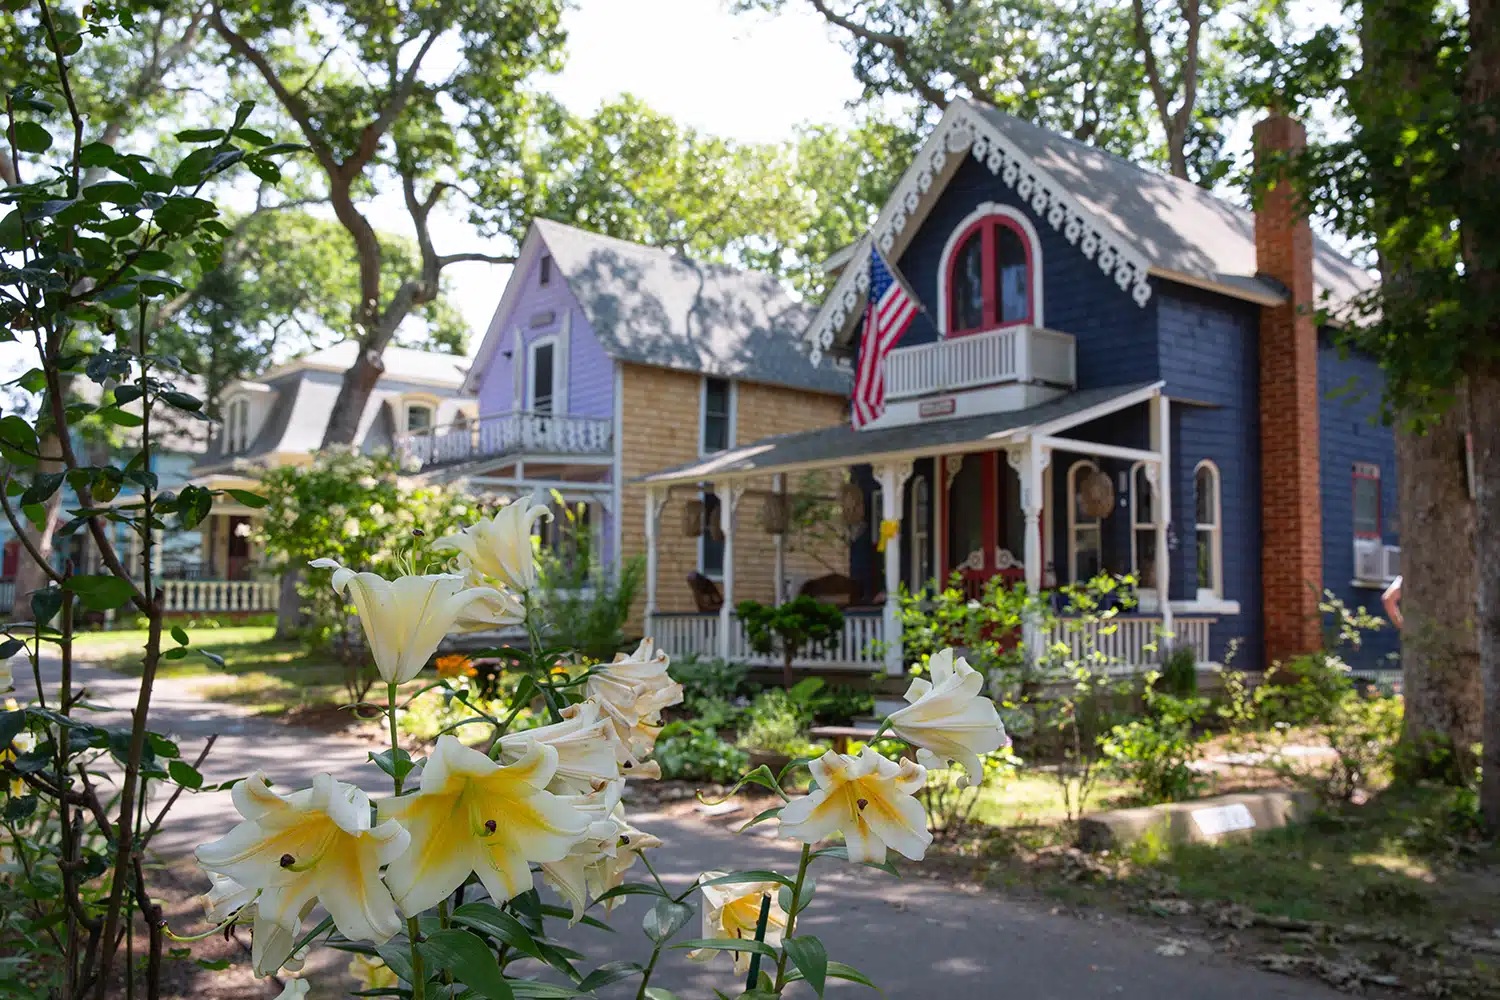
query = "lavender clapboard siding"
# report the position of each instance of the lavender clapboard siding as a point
(539, 312)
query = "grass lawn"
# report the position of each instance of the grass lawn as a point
(263, 674)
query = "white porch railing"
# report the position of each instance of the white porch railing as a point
(698, 635)
(1131, 642)
(1012, 354)
(7, 593)
(220, 595)
(502, 434)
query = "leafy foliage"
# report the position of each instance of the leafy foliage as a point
(694, 751)
(789, 628)
(583, 605)
(1158, 750)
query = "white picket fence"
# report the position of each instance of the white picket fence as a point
(220, 595)
(1129, 644)
(858, 647)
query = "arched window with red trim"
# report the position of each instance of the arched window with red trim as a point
(990, 280)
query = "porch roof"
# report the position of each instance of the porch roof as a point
(842, 445)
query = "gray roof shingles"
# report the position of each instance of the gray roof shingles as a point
(654, 307)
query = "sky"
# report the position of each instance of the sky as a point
(750, 77)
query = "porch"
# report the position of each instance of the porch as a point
(977, 496)
(1129, 643)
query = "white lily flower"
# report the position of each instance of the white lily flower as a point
(317, 844)
(225, 897)
(733, 911)
(948, 719)
(869, 800)
(501, 546)
(572, 876)
(295, 989)
(405, 619)
(585, 752)
(473, 815)
(497, 609)
(270, 943)
(632, 690)
(7, 679)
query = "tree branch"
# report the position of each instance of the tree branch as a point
(488, 258)
(899, 48)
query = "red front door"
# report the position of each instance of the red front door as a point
(983, 531)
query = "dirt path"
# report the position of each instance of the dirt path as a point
(917, 937)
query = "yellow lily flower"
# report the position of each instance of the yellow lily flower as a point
(632, 690)
(473, 815)
(575, 874)
(867, 798)
(948, 719)
(501, 546)
(317, 844)
(405, 619)
(22, 743)
(585, 752)
(733, 911)
(496, 609)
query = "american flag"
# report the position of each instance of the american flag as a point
(890, 311)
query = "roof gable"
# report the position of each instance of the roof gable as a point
(650, 306)
(1128, 220)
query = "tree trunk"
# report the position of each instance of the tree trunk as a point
(29, 576)
(1480, 229)
(354, 393)
(289, 605)
(1484, 424)
(1439, 655)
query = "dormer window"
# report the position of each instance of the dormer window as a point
(990, 275)
(236, 426)
(418, 418)
(544, 271)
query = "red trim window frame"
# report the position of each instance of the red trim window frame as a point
(1369, 473)
(991, 301)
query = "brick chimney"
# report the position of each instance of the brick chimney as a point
(1291, 508)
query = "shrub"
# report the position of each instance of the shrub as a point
(709, 680)
(695, 752)
(841, 704)
(950, 800)
(778, 719)
(789, 628)
(1157, 751)
(1179, 672)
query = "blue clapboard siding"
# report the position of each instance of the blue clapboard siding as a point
(1350, 429)
(1116, 338)
(1209, 351)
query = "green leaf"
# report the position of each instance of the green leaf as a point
(761, 817)
(254, 500)
(609, 972)
(657, 993)
(811, 959)
(97, 154)
(118, 417)
(730, 944)
(9, 648)
(185, 774)
(665, 919)
(630, 889)
(179, 635)
(161, 746)
(784, 896)
(253, 137)
(100, 593)
(113, 193)
(45, 604)
(395, 762)
(201, 135)
(470, 961)
(42, 487)
(32, 138)
(11, 723)
(183, 401)
(498, 924)
(838, 970)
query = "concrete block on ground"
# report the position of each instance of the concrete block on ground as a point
(1201, 820)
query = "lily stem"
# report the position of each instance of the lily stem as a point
(791, 916)
(413, 932)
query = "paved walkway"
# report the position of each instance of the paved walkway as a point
(917, 937)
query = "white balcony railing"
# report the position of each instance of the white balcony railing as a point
(1128, 644)
(219, 595)
(1012, 354)
(502, 434)
(858, 647)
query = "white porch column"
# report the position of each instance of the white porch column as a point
(892, 480)
(729, 499)
(1030, 460)
(654, 502)
(1161, 443)
(779, 488)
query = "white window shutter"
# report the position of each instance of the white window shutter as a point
(560, 365)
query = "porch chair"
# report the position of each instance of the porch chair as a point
(706, 594)
(834, 588)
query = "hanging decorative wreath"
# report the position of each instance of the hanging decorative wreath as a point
(776, 514)
(692, 519)
(1096, 494)
(852, 504)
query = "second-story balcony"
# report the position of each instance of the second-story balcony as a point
(519, 433)
(1008, 368)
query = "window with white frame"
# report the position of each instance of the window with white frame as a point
(1142, 526)
(418, 418)
(717, 421)
(542, 366)
(921, 532)
(1366, 500)
(1210, 527)
(1085, 533)
(710, 540)
(236, 426)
